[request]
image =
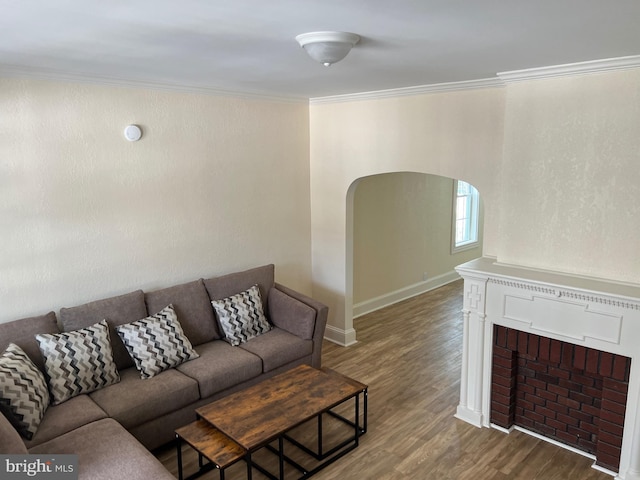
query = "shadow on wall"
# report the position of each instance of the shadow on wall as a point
(400, 236)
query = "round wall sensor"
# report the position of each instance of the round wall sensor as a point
(132, 133)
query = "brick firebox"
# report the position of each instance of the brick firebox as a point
(570, 393)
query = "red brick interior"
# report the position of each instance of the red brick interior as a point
(570, 393)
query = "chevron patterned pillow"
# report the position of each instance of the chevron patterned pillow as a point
(79, 361)
(241, 316)
(23, 391)
(156, 343)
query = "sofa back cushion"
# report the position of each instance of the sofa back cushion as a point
(293, 316)
(23, 333)
(233, 283)
(192, 307)
(116, 311)
(10, 441)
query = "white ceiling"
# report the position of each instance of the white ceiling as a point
(249, 45)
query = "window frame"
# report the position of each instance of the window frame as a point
(473, 221)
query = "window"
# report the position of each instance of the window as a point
(465, 216)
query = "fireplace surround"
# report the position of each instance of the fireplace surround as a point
(560, 330)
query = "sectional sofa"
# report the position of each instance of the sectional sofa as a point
(112, 428)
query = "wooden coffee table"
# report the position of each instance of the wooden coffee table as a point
(251, 419)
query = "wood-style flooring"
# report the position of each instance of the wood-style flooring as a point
(409, 354)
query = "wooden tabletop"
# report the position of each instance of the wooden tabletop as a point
(259, 414)
(212, 443)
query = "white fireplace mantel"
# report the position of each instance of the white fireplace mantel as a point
(584, 311)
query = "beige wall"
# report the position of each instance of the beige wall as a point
(402, 230)
(216, 184)
(572, 175)
(556, 162)
(455, 134)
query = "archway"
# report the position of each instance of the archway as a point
(399, 238)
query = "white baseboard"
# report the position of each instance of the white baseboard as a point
(344, 338)
(385, 300)
(467, 415)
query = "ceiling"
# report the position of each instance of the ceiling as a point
(248, 46)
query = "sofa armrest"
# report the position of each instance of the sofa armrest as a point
(11, 442)
(299, 314)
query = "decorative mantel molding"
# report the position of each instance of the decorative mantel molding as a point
(594, 313)
(560, 293)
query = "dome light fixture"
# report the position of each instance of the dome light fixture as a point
(327, 47)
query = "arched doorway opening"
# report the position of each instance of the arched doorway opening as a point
(400, 228)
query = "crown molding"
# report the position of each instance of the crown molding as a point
(15, 71)
(409, 91)
(501, 80)
(570, 69)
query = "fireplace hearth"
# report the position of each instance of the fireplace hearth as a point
(551, 354)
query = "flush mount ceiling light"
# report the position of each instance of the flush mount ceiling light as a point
(327, 47)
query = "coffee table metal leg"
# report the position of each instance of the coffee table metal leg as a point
(179, 455)
(366, 413)
(320, 436)
(357, 422)
(249, 466)
(281, 456)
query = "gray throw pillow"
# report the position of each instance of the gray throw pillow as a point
(23, 391)
(241, 316)
(79, 361)
(156, 343)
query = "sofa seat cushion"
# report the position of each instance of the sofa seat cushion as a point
(134, 401)
(106, 451)
(221, 366)
(60, 419)
(278, 347)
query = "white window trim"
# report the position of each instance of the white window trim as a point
(463, 246)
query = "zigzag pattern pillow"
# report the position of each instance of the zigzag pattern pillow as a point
(23, 391)
(78, 362)
(241, 316)
(156, 343)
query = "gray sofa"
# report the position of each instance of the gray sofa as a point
(112, 429)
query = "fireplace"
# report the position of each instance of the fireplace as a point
(569, 393)
(551, 354)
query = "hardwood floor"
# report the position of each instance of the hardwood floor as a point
(409, 354)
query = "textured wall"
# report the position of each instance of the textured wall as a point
(216, 184)
(572, 175)
(556, 162)
(456, 135)
(402, 229)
